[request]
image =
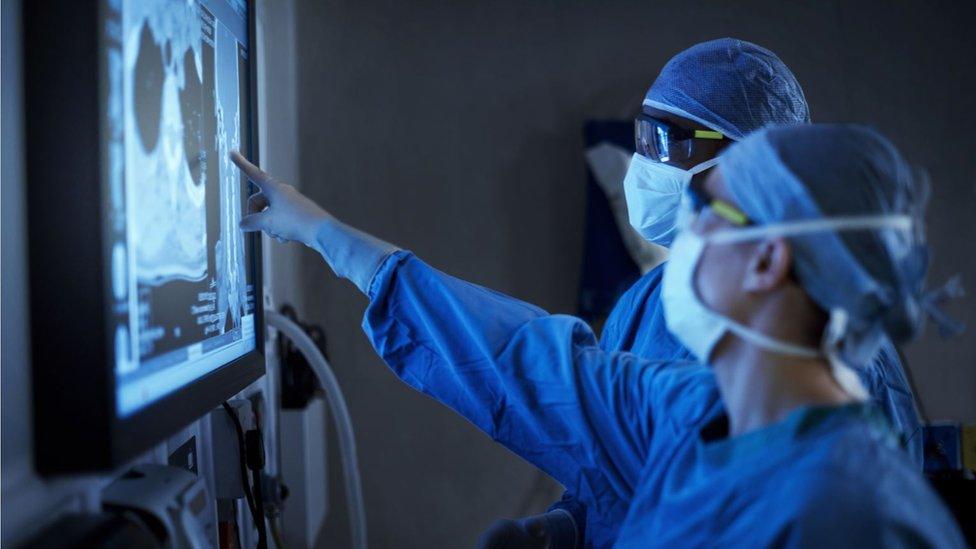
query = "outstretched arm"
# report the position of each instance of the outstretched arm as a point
(284, 213)
(535, 382)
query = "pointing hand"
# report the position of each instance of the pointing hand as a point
(279, 209)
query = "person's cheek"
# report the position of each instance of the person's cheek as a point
(718, 277)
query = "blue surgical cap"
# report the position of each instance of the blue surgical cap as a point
(815, 171)
(731, 86)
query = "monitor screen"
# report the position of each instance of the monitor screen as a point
(181, 277)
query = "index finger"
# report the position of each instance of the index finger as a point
(254, 173)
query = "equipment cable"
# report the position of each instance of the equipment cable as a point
(343, 422)
(256, 516)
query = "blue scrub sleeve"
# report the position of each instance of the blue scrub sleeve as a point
(534, 382)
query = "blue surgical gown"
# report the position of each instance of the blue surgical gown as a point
(632, 438)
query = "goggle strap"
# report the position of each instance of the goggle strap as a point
(656, 125)
(729, 213)
(796, 228)
(708, 134)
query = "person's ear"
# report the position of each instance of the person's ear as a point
(769, 267)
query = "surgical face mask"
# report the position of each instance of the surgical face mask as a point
(653, 192)
(699, 328)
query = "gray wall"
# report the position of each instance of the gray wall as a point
(278, 131)
(454, 130)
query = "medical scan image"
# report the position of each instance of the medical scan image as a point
(178, 103)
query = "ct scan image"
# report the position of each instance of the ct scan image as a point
(181, 106)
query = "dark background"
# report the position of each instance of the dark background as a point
(455, 130)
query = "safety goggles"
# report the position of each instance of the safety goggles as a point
(664, 142)
(699, 199)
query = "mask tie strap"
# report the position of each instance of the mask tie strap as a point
(771, 344)
(833, 338)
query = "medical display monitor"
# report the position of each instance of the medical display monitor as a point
(182, 285)
(146, 297)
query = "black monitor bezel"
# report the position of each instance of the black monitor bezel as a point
(76, 427)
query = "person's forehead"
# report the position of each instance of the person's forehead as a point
(678, 121)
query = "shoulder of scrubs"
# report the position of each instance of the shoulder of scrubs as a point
(637, 325)
(617, 334)
(536, 383)
(866, 493)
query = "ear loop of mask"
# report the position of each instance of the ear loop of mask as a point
(764, 341)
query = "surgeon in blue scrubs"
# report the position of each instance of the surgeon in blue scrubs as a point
(704, 99)
(794, 259)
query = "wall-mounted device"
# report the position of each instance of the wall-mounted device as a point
(145, 295)
(170, 501)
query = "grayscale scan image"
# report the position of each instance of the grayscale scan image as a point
(184, 107)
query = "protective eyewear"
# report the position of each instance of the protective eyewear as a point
(664, 142)
(701, 199)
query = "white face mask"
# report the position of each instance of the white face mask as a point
(699, 328)
(653, 192)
